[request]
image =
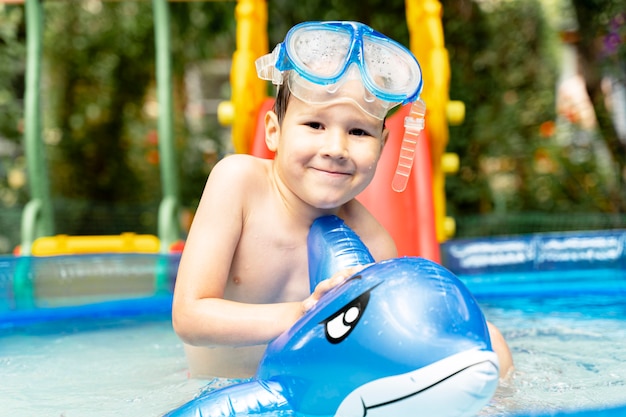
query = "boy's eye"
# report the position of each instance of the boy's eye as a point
(314, 125)
(359, 132)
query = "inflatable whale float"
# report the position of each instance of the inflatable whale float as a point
(403, 337)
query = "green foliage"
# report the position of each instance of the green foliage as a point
(601, 47)
(386, 16)
(98, 102)
(11, 69)
(98, 66)
(12, 178)
(503, 72)
(11, 92)
(517, 155)
(201, 31)
(98, 60)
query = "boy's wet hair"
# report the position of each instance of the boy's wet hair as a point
(282, 100)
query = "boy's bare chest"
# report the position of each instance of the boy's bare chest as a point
(270, 265)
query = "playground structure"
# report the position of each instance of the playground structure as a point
(37, 218)
(415, 218)
(148, 264)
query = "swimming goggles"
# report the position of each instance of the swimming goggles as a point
(317, 59)
(330, 53)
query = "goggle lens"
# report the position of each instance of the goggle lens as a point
(321, 54)
(388, 70)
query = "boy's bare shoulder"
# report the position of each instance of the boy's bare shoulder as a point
(238, 167)
(242, 163)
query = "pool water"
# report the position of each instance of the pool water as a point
(122, 367)
(569, 354)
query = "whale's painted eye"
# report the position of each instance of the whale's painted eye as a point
(339, 325)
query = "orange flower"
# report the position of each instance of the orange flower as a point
(547, 129)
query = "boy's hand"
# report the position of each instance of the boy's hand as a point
(328, 284)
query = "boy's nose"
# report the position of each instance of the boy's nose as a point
(336, 145)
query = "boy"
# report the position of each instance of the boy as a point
(243, 276)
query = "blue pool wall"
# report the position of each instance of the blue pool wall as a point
(36, 289)
(546, 264)
(537, 252)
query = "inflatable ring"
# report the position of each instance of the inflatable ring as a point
(402, 337)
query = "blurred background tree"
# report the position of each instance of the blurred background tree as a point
(601, 46)
(102, 105)
(12, 177)
(525, 167)
(520, 158)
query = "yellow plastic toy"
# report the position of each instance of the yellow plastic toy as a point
(427, 43)
(80, 245)
(247, 90)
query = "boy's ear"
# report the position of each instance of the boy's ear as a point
(272, 131)
(384, 137)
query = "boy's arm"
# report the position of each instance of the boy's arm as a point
(200, 314)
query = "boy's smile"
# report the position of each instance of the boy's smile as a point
(333, 173)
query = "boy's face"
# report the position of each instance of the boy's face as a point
(325, 154)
